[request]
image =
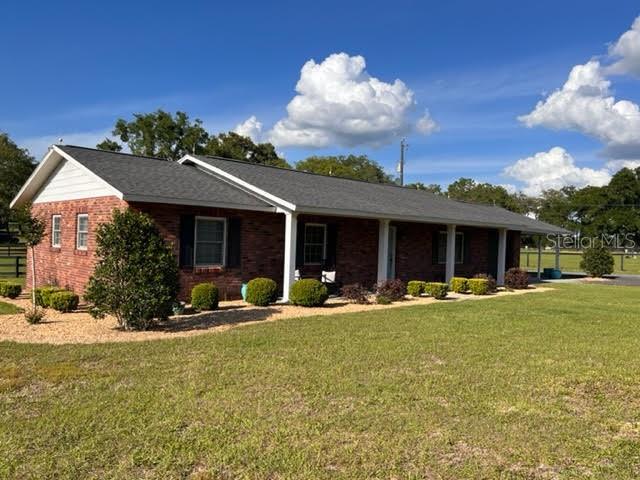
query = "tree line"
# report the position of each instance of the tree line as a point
(611, 209)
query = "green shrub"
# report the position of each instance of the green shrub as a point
(479, 286)
(382, 300)
(355, 293)
(64, 301)
(10, 289)
(597, 261)
(34, 315)
(308, 292)
(394, 289)
(136, 275)
(43, 295)
(415, 288)
(516, 278)
(437, 290)
(459, 284)
(262, 292)
(204, 296)
(493, 287)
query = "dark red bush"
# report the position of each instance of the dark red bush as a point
(355, 293)
(516, 278)
(392, 289)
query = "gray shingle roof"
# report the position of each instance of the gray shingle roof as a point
(310, 192)
(137, 176)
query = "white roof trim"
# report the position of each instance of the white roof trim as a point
(246, 186)
(417, 219)
(44, 170)
(195, 202)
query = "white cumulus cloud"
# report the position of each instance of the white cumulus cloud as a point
(554, 169)
(627, 51)
(251, 128)
(586, 104)
(339, 103)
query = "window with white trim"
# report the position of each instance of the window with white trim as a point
(56, 230)
(210, 241)
(442, 247)
(315, 243)
(82, 231)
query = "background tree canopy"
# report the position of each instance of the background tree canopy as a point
(15, 167)
(358, 167)
(161, 134)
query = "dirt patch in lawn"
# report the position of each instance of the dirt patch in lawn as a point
(80, 327)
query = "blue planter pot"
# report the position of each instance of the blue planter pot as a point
(556, 274)
(243, 291)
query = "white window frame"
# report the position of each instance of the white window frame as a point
(459, 251)
(55, 244)
(224, 242)
(324, 243)
(78, 232)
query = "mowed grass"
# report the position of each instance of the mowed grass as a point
(570, 262)
(545, 385)
(7, 308)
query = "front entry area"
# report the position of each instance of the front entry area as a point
(391, 257)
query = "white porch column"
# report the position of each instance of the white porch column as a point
(502, 255)
(383, 250)
(290, 241)
(451, 253)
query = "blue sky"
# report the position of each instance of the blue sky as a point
(73, 68)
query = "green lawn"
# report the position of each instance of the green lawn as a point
(7, 308)
(545, 385)
(570, 262)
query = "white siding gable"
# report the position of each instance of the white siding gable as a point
(70, 182)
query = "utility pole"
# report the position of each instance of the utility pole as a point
(400, 169)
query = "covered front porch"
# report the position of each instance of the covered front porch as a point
(366, 251)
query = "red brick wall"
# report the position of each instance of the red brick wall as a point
(356, 249)
(261, 238)
(262, 247)
(414, 252)
(66, 266)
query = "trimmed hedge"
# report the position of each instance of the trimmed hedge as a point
(394, 289)
(516, 278)
(415, 288)
(204, 296)
(308, 292)
(10, 289)
(64, 301)
(478, 286)
(382, 300)
(437, 290)
(43, 295)
(459, 284)
(261, 291)
(493, 287)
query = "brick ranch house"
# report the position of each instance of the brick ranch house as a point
(230, 221)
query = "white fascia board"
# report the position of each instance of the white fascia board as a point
(196, 203)
(238, 182)
(47, 165)
(416, 219)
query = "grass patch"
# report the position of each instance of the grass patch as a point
(570, 261)
(8, 309)
(544, 385)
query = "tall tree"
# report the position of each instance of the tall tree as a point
(159, 134)
(109, 145)
(469, 190)
(358, 167)
(15, 167)
(432, 187)
(239, 147)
